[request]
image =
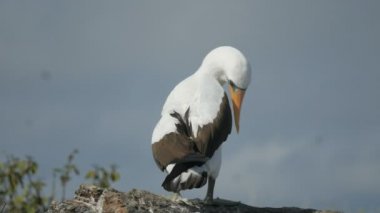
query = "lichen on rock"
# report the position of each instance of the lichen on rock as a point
(93, 199)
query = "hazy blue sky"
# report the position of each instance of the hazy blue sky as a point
(93, 75)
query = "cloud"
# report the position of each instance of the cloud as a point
(308, 172)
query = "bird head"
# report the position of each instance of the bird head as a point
(229, 65)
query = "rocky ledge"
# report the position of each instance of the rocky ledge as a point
(89, 198)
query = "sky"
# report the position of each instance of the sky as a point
(93, 76)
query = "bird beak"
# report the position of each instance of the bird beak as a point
(237, 96)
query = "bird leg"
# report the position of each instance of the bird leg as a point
(209, 199)
(210, 191)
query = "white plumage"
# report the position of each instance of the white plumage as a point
(196, 119)
(192, 92)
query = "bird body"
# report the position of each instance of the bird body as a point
(196, 119)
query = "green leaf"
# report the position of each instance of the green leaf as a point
(34, 167)
(115, 176)
(90, 174)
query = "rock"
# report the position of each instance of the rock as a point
(91, 199)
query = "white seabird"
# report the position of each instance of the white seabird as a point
(196, 119)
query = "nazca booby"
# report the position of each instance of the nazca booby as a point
(196, 119)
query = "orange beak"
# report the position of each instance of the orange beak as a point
(237, 96)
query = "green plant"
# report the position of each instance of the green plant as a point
(65, 173)
(20, 191)
(102, 177)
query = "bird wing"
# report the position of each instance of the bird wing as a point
(208, 137)
(175, 147)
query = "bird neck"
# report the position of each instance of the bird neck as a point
(212, 71)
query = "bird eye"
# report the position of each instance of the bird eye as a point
(234, 87)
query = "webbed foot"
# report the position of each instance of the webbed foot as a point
(176, 197)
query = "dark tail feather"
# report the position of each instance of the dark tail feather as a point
(177, 170)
